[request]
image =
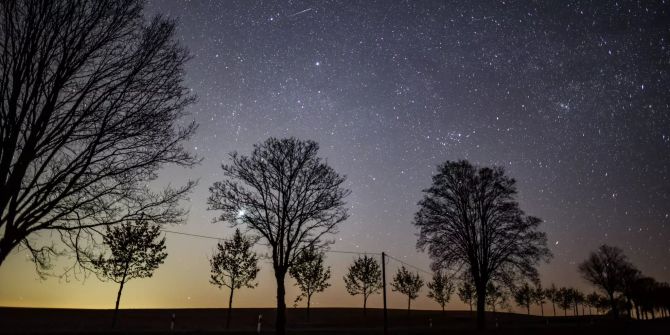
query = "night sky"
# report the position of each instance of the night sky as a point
(572, 98)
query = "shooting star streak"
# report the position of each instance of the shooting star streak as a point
(300, 12)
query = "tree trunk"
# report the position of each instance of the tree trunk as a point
(118, 298)
(565, 311)
(542, 309)
(365, 302)
(481, 307)
(5, 247)
(553, 304)
(230, 308)
(613, 304)
(280, 323)
(528, 309)
(309, 299)
(409, 302)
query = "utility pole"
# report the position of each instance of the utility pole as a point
(386, 319)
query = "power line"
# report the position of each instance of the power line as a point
(327, 251)
(192, 235)
(410, 265)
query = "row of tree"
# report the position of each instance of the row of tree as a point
(92, 108)
(93, 103)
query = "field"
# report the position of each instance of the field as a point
(322, 321)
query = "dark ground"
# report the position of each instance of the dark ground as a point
(322, 321)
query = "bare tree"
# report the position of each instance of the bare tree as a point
(310, 275)
(466, 292)
(407, 283)
(606, 269)
(468, 219)
(364, 277)
(135, 251)
(285, 194)
(92, 107)
(440, 288)
(234, 265)
(523, 296)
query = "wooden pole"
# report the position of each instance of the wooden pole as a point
(386, 321)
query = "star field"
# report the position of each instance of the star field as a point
(571, 97)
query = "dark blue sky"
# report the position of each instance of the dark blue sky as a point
(570, 97)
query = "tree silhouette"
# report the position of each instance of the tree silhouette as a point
(135, 251)
(495, 296)
(285, 194)
(92, 99)
(606, 269)
(234, 265)
(540, 297)
(565, 299)
(523, 296)
(466, 292)
(364, 277)
(593, 301)
(310, 274)
(440, 288)
(553, 296)
(468, 219)
(407, 283)
(577, 298)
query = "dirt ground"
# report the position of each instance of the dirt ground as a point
(321, 321)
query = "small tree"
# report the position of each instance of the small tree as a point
(364, 277)
(553, 296)
(466, 292)
(578, 298)
(593, 301)
(565, 299)
(539, 296)
(234, 265)
(606, 269)
(407, 283)
(135, 252)
(523, 296)
(440, 288)
(495, 296)
(310, 274)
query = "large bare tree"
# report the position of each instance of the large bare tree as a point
(607, 269)
(92, 106)
(288, 196)
(469, 221)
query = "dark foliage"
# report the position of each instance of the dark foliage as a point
(310, 275)
(234, 265)
(407, 283)
(364, 277)
(135, 251)
(440, 288)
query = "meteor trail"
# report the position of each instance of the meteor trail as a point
(300, 12)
